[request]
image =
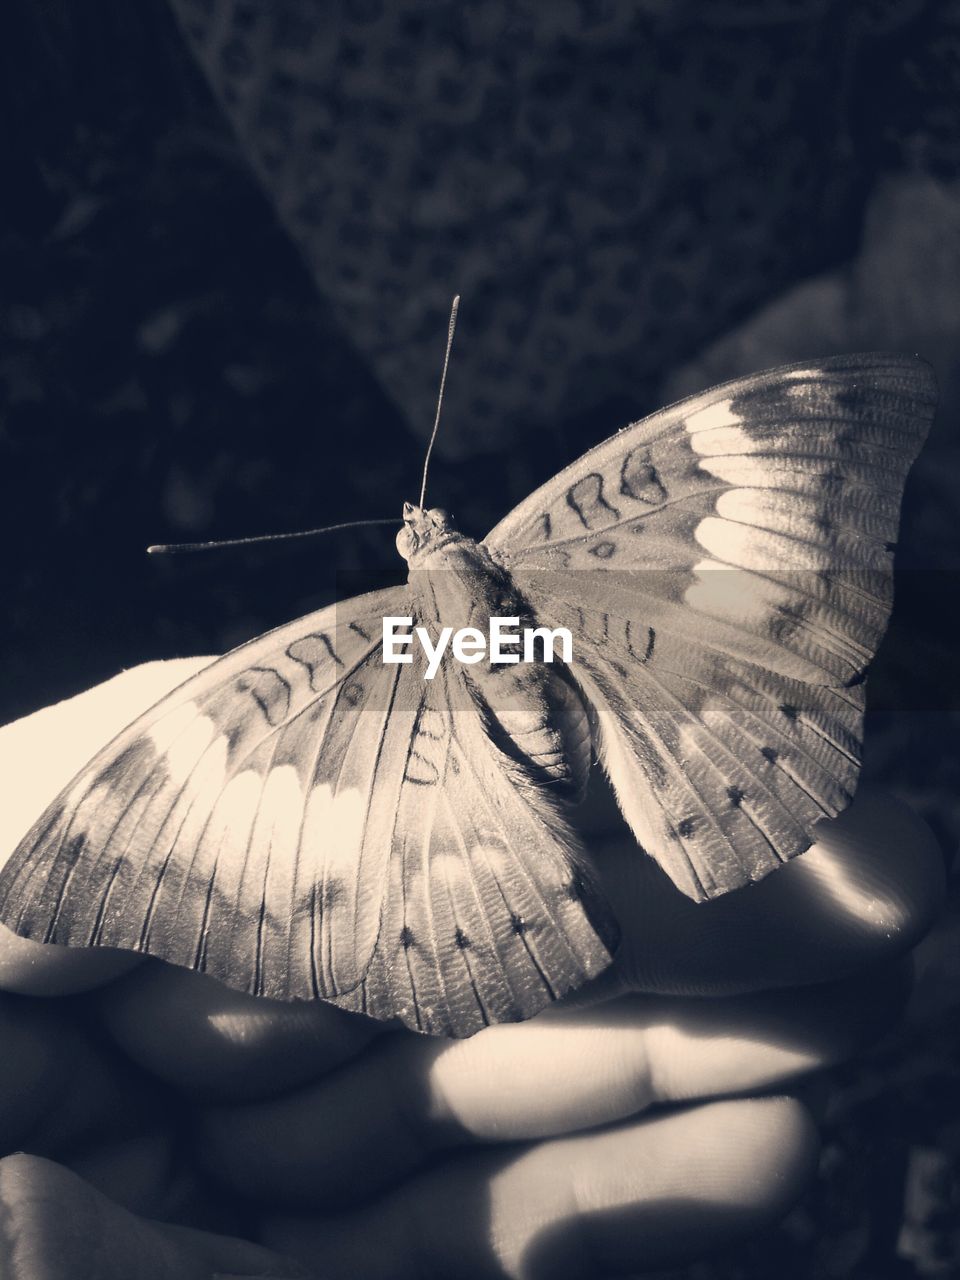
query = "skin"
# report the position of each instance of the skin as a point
(168, 1121)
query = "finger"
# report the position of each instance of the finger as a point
(633, 1198)
(43, 752)
(64, 1096)
(201, 1036)
(58, 1227)
(593, 1066)
(212, 1041)
(866, 891)
(410, 1098)
(44, 969)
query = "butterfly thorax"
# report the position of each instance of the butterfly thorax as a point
(454, 580)
(538, 716)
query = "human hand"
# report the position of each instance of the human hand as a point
(647, 1120)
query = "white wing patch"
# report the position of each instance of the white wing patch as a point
(336, 820)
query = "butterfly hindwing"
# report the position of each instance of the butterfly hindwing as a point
(725, 569)
(720, 767)
(489, 913)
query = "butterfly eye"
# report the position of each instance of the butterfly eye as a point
(439, 517)
(407, 542)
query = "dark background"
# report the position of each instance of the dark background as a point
(229, 234)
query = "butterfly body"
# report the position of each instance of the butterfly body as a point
(303, 820)
(532, 709)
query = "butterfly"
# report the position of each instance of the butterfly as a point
(303, 820)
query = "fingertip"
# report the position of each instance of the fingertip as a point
(216, 1042)
(773, 1145)
(31, 968)
(878, 873)
(686, 1183)
(865, 892)
(58, 1227)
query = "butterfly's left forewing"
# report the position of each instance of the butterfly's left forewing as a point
(724, 567)
(789, 482)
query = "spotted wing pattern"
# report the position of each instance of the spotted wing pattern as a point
(725, 569)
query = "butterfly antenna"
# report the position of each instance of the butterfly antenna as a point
(174, 548)
(451, 330)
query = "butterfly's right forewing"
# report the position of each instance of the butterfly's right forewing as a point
(242, 826)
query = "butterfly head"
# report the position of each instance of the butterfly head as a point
(424, 530)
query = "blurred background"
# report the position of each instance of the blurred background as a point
(230, 231)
